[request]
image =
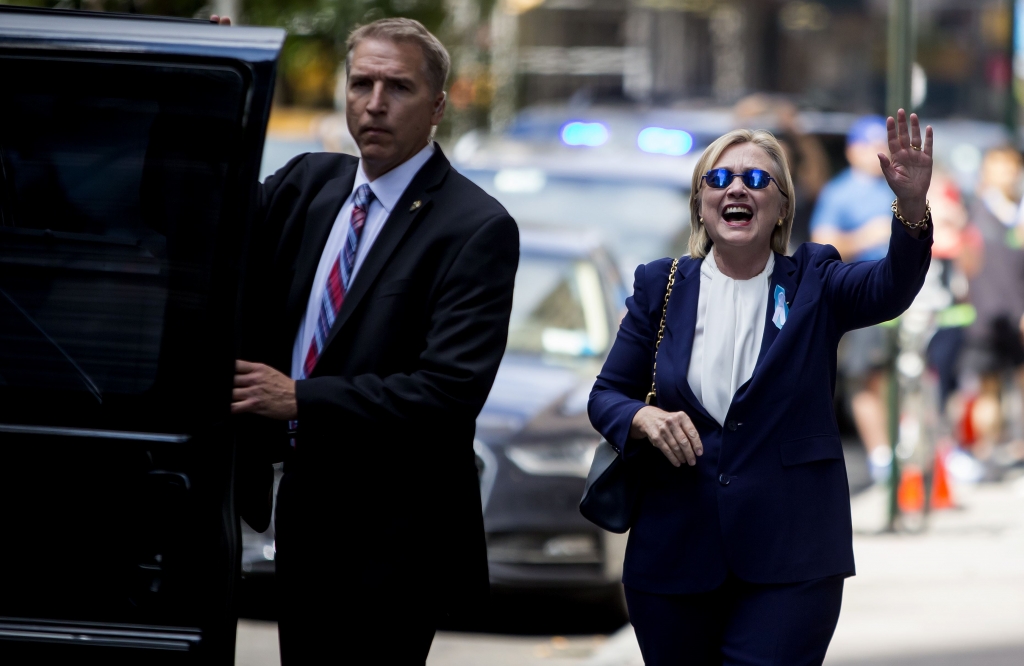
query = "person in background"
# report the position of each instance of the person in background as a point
(805, 154)
(853, 216)
(993, 345)
(951, 253)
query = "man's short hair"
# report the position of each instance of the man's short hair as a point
(435, 56)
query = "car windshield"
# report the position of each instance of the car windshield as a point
(639, 221)
(558, 307)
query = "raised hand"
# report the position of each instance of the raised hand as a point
(908, 167)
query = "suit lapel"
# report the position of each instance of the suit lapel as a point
(320, 217)
(681, 322)
(402, 218)
(782, 275)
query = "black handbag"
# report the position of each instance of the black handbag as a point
(609, 496)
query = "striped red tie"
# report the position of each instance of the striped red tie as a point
(338, 280)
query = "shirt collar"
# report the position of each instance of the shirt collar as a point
(709, 267)
(390, 187)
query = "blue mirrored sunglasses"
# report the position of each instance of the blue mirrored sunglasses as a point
(755, 179)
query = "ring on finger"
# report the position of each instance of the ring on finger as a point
(915, 147)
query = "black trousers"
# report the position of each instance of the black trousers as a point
(328, 613)
(738, 624)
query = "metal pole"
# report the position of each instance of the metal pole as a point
(893, 404)
(504, 63)
(901, 56)
(901, 61)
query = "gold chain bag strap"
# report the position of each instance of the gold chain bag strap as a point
(652, 396)
(609, 496)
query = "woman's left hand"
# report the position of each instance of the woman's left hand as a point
(908, 168)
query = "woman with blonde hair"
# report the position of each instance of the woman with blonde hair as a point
(717, 394)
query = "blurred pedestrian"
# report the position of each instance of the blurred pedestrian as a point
(375, 315)
(807, 158)
(853, 216)
(947, 283)
(852, 213)
(741, 536)
(994, 348)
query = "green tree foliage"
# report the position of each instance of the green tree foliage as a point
(317, 30)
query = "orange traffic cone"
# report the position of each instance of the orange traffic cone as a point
(910, 494)
(942, 495)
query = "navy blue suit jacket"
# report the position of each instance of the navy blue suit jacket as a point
(768, 500)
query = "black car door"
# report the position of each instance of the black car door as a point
(129, 150)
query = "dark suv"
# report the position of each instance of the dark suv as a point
(129, 152)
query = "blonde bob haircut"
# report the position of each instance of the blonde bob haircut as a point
(700, 242)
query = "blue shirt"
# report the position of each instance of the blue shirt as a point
(848, 202)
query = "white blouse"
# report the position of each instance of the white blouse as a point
(727, 339)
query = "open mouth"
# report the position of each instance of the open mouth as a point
(737, 214)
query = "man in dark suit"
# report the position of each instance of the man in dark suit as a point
(377, 303)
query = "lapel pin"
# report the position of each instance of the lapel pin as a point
(415, 204)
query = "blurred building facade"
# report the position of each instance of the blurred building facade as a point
(826, 54)
(507, 54)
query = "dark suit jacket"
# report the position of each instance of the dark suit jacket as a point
(768, 500)
(382, 486)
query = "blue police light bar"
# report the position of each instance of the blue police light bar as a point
(664, 141)
(584, 134)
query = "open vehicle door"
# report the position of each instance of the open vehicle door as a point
(129, 151)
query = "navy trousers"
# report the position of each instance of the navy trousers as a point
(738, 624)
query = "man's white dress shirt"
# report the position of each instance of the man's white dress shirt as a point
(727, 338)
(387, 190)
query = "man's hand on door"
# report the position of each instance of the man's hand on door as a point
(260, 389)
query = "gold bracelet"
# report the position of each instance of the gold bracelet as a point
(913, 225)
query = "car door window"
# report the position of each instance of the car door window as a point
(113, 177)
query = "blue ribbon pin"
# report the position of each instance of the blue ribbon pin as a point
(781, 309)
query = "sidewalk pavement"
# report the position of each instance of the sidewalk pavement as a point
(951, 596)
